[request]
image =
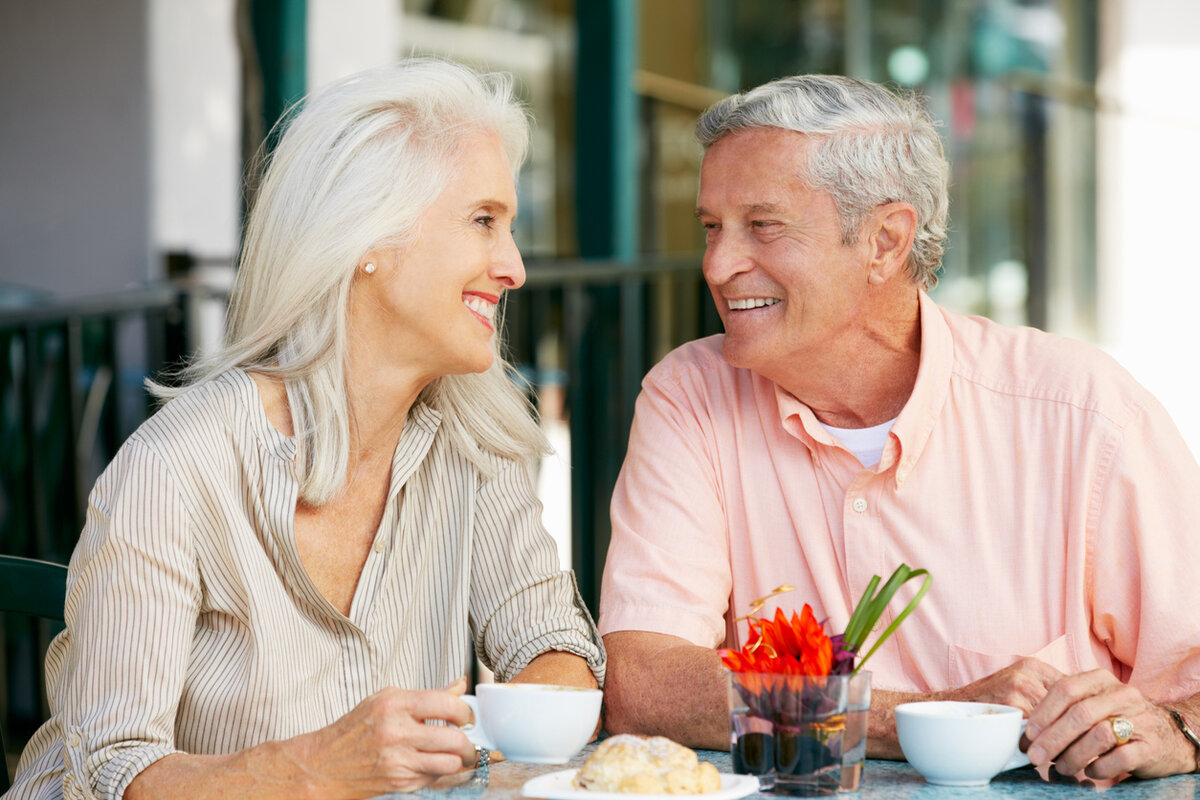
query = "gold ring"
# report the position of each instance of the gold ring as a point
(1122, 729)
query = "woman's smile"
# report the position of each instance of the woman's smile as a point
(483, 306)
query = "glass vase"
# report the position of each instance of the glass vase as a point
(802, 735)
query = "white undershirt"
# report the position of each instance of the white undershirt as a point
(865, 443)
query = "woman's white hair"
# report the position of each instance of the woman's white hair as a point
(357, 165)
(869, 146)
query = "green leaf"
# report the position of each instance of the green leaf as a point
(908, 609)
(855, 628)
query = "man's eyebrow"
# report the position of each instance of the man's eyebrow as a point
(749, 208)
(762, 208)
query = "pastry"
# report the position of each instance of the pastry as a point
(646, 765)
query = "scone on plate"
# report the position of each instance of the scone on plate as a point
(646, 765)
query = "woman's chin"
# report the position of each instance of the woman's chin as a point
(473, 366)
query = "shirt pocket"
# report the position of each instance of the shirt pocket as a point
(967, 666)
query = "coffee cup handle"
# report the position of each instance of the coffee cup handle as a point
(1019, 759)
(474, 730)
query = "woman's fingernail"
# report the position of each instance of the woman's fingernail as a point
(1031, 732)
(1036, 755)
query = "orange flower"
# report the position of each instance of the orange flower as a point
(799, 646)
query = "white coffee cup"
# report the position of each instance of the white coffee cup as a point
(532, 722)
(960, 744)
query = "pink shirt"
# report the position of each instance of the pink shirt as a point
(1049, 495)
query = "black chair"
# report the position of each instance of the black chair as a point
(36, 588)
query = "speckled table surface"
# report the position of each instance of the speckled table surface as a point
(881, 779)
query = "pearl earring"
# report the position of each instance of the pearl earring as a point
(369, 268)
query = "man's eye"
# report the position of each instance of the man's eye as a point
(762, 223)
(485, 220)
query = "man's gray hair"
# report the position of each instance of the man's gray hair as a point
(869, 146)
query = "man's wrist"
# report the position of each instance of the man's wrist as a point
(1189, 734)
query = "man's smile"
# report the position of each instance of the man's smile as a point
(746, 303)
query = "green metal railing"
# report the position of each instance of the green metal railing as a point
(608, 322)
(70, 392)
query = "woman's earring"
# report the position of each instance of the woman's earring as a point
(369, 268)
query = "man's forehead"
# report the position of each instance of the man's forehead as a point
(754, 174)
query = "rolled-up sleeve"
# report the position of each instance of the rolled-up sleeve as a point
(522, 604)
(1143, 552)
(668, 567)
(131, 608)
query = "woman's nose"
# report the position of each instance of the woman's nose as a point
(508, 268)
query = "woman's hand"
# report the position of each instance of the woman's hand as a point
(383, 745)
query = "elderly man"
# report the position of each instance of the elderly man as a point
(844, 423)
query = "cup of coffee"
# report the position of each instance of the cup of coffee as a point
(538, 723)
(960, 744)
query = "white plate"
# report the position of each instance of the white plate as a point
(557, 786)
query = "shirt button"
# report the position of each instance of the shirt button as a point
(859, 505)
(73, 739)
(379, 545)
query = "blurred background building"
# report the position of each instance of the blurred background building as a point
(126, 127)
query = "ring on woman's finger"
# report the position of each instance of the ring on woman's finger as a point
(483, 757)
(1122, 729)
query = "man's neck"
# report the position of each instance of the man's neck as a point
(867, 382)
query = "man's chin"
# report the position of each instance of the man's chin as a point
(738, 354)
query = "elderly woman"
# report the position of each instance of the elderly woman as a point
(282, 569)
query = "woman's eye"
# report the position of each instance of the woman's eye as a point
(485, 220)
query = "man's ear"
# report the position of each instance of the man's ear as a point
(891, 229)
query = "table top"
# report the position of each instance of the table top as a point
(881, 779)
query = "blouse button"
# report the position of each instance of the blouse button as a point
(379, 545)
(859, 505)
(73, 739)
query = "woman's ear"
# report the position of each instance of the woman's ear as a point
(892, 228)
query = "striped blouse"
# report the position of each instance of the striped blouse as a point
(192, 625)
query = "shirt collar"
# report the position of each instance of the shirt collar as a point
(915, 422)
(420, 429)
(415, 440)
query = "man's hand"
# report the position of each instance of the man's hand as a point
(1023, 684)
(1069, 721)
(1071, 727)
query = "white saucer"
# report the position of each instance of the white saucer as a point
(557, 786)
